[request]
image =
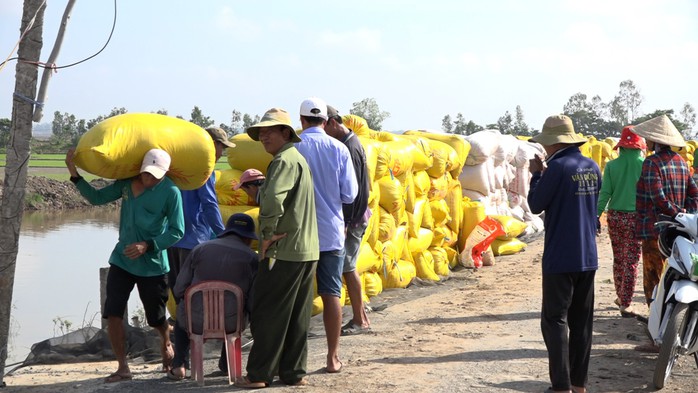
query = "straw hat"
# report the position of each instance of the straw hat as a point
(558, 129)
(630, 140)
(273, 117)
(660, 130)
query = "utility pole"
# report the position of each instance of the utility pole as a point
(18, 150)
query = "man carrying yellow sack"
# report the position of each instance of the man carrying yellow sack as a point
(150, 221)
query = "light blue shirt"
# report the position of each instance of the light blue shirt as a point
(335, 183)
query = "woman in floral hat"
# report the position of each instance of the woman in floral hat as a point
(618, 195)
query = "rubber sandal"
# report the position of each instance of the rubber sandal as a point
(337, 371)
(351, 329)
(116, 377)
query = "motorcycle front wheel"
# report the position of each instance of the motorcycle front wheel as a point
(668, 353)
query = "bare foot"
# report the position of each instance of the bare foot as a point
(122, 374)
(167, 351)
(334, 365)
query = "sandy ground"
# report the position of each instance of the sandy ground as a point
(476, 332)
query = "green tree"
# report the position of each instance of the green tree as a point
(447, 124)
(630, 98)
(506, 123)
(247, 121)
(459, 124)
(161, 112)
(66, 128)
(236, 122)
(472, 128)
(114, 112)
(5, 131)
(688, 117)
(369, 110)
(198, 118)
(520, 127)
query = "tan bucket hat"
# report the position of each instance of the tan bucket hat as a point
(558, 129)
(660, 130)
(273, 117)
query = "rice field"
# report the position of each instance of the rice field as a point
(53, 166)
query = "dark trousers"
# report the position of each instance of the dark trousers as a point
(567, 318)
(176, 257)
(280, 319)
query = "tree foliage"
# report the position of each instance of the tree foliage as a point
(688, 116)
(5, 131)
(447, 124)
(198, 118)
(369, 110)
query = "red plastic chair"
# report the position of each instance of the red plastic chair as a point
(213, 303)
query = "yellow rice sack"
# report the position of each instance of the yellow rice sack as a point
(424, 264)
(508, 246)
(386, 227)
(372, 149)
(357, 124)
(248, 154)
(422, 183)
(454, 201)
(225, 182)
(420, 242)
(391, 194)
(473, 214)
(440, 257)
(114, 148)
(399, 276)
(439, 187)
(368, 259)
(512, 226)
(439, 212)
(372, 284)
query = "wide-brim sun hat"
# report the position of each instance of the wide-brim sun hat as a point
(273, 117)
(660, 130)
(630, 140)
(558, 129)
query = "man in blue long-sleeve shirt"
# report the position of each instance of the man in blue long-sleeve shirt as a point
(335, 184)
(567, 188)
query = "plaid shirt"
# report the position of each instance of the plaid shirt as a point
(665, 187)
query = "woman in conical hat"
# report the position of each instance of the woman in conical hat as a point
(618, 196)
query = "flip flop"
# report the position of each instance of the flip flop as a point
(116, 377)
(352, 329)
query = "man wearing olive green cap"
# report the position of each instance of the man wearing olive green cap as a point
(566, 186)
(289, 250)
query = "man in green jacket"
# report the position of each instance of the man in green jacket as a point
(289, 249)
(151, 220)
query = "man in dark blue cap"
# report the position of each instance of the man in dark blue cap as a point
(226, 258)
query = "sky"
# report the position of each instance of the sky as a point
(420, 60)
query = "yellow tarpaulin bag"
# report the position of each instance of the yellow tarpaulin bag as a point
(357, 124)
(372, 230)
(459, 145)
(424, 263)
(454, 201)
(512, 226)
(422, 183)
(439, 187)
(252, 211)
(372, 150)
(114, 148)
(386, 227)
(248, 154)
(399, 276)
(414, 221)
(508, 246)
(420, 242)
(391, 191)
(473, 214)
(423, 157)
(373, 285)
(225, 182)
(427, 219)
(439, 212)
(403, 152)
(368, 259)
(440, 261)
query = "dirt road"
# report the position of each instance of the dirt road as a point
(476, 332)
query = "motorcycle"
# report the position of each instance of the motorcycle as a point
(673, 317)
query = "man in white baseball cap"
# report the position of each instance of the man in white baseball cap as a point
(151, 221)
(335, 184)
